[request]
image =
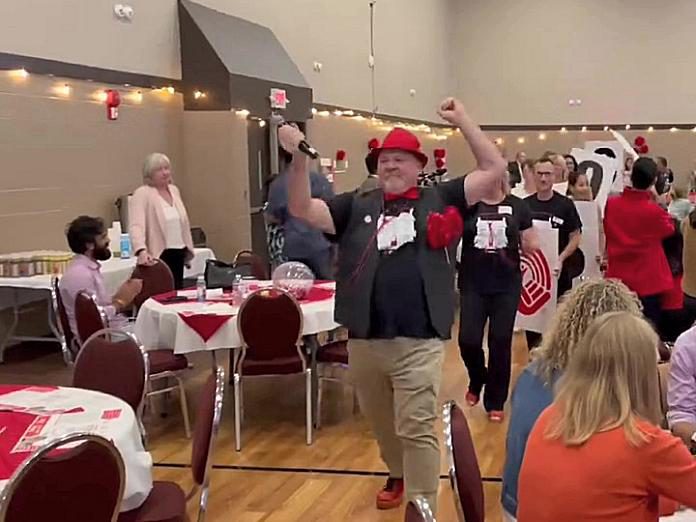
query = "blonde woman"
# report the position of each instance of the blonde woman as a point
(597, 453)
(534, 389)
(159, 224)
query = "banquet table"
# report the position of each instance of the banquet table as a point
(192, 326)
(16, 292)
(31, 416)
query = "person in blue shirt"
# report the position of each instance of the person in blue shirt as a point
(303, 243)
(534, 390)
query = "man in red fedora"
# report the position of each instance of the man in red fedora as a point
(395, 289)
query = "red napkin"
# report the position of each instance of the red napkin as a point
(205, 325)
(444, 229)
(14, 424)
(318, 294)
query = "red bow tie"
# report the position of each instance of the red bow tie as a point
(412, 193)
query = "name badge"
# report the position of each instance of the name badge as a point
(557, 220)
(505, 209)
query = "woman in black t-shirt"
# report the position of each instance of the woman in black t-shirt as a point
(490, 282)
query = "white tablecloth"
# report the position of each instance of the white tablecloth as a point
(122, 431)
(115, 271)
(160, 326)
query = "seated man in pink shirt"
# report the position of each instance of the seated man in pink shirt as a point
(87, 237)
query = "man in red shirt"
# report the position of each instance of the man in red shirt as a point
(635, 226)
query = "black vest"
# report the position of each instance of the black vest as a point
(358, 259)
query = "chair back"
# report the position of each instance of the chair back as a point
(663, 383)
(112, 361)
(464, 472)
(157, 279)
(208, 418)
(67, 338)
(88, 316)
(256, 264)
(418, 510)
(270, 325)
(82, 482)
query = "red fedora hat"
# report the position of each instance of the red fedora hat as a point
(401, 139)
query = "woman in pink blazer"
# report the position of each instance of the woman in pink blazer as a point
(159, 225)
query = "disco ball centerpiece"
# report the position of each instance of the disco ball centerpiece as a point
(295, 278)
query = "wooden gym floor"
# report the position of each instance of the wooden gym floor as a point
(276, 477)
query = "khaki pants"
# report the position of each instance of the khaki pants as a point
(398, 381)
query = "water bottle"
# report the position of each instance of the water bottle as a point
(200, 289)
(125, 246)
(237, 289)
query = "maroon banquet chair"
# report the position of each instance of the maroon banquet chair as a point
(332, 357)
(68, 342)
(257, 266)
(89, 316)
(164, 363)
(113, 362)
(464, 472)
(418, 510)
(81, 483)
(270, 326)
(157, 279)
(167, 501)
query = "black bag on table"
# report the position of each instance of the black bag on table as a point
(219, 274)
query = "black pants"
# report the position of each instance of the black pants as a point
(564, 284)
(690, 307)
(500, 310)
(652, 309)
(175, 258)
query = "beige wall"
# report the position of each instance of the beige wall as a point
(628, 61)
(60, 157)
(216, 189)
(413, 39)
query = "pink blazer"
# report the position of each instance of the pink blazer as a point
(147, 223)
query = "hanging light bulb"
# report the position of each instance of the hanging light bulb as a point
(262, 123)
(198, 95)
(63, 90)
(170, 89)
(628, 126)
(563, 130)
(242, 112)
(521, 140)
(606, 128)
(584, 128)
(338, 113)
(673, 129)
(314, 111)
(19, 73)
(323, 114)
(650, 129)
(542, 136)
(348, 113)
(100, 95)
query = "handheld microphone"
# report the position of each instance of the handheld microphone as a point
(303, 145)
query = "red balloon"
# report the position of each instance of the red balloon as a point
(439, 163)
(644, 149)
(340, 155)
(373, 143)
(639, 141)
(439, 153)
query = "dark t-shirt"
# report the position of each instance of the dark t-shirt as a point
(399, 307)
(560, 211)
(490, 261)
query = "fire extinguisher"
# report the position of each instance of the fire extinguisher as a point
(113, 100)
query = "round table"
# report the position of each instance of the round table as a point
(171, 325)
(32, 415)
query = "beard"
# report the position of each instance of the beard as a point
(102, 253)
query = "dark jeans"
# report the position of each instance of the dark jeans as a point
(690, 307)
(500, 310)
(175, 258)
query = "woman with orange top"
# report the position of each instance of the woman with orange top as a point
(597, 453)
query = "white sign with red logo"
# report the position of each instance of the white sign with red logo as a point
(279, 99)
(538, 299)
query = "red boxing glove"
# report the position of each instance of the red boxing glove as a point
(444, 229)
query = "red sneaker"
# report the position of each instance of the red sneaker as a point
(471, 398)
(391, 495)
(496, 416)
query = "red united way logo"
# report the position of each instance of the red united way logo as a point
(536, 283)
